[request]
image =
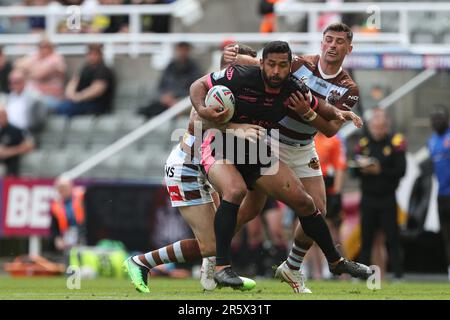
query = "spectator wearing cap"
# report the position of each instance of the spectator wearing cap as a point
(91, 90)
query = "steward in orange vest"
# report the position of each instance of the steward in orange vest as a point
(67, 214)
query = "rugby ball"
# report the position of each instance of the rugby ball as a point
(222, 97)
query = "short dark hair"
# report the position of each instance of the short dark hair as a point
(277, 47)
(183, 44)
(247, 51)
(340, 27)
(95, 47)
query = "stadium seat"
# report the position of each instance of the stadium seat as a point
(53, 135)
(32, 162)
(80, 130)
(55, 164)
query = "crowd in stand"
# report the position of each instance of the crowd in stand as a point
(89, 23)
(38, 85)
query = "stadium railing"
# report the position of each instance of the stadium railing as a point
(136, 42)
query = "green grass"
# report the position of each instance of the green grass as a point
(174, 289)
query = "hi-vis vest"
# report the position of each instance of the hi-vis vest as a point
(59, 211)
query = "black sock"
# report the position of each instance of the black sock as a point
(224, 226)
(316, 228)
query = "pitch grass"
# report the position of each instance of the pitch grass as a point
(189, 289)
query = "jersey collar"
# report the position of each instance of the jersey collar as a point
(328, 76)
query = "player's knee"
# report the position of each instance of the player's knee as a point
(322, 208)
(304, 205)
(236, 193)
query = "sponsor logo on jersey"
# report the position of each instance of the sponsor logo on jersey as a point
(219, 74)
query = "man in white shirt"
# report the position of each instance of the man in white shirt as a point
(24, 110)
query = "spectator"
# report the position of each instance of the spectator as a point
(176, 79)
(68, 216)
(156, 23)
(268, 21)
(91, 91)
(37, 23)
(439, 146)
(110, 24)
(13, 144)
(5, 69)
(24, 112)
(46, 71)
(377, 93)
(381, 161)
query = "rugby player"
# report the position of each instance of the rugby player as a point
(262, 95)
(326, 79)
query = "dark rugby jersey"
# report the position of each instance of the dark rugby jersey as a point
(253, 104)
(340, 91)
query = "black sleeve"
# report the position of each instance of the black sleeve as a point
(228, 77)
(102, 74)
(396, 169)
(17, 136)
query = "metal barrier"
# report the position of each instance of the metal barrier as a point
(136, 42)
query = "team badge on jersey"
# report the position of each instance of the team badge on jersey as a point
(387, 151)
(314, 164)
(333, 97)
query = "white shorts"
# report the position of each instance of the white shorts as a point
(186, 184)
(303, 160)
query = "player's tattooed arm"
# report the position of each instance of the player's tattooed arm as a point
(197, 92)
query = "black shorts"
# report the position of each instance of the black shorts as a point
(250, 165)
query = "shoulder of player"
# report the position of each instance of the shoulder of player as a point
(346, 80)
(309, 61)
(245, 69)
(398, 142)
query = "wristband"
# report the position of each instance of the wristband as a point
(309, 116)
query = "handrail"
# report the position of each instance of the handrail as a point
(289, 8)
